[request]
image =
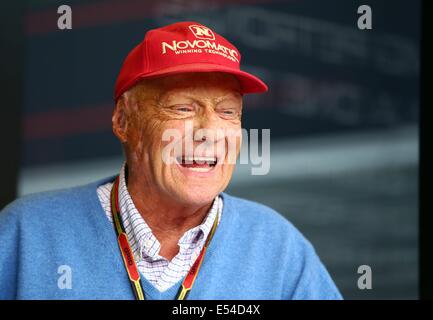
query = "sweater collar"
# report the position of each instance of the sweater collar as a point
(107, 236)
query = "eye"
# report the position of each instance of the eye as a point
(183, 108)
(229, 113)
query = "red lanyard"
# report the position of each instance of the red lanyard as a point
(128, 256)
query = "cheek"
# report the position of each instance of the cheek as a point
(144, 135)
(233, 140)
(168, 140)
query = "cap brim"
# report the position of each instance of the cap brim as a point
(248, 82)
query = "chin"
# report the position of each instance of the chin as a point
(197, 189)
(197, 196)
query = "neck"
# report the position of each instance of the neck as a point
(167, 218)
(168, 222)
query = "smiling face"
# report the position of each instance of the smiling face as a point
(157, 121)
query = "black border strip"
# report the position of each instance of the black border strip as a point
(426, 163)
(11, 75)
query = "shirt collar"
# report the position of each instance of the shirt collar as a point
(143, 242)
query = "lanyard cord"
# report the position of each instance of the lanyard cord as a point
(128, 257)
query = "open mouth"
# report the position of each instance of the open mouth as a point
(198, 164)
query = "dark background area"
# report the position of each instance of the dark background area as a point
(343, 109)
(325, 74)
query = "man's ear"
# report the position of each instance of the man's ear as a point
(119, 120)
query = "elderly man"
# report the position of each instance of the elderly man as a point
(163, 228)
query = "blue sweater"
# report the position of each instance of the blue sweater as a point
(255, 253)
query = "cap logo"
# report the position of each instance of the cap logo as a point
(201, 32)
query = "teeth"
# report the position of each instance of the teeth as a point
(200, 169)
(199, 160)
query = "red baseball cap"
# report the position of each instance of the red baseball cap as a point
(181, 48)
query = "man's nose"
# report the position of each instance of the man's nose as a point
(207, 126)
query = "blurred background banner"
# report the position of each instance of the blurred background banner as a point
(342, 108)
(325, 75)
